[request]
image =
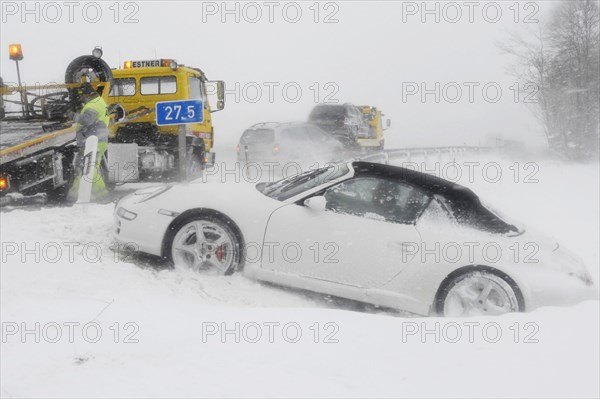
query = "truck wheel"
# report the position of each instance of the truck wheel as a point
(195, 159)
(95, 69)
(92, 68)
(194, 165)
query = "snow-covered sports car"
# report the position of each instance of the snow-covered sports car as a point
(380, 234)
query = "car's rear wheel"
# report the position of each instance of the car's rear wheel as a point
(477, 293)
(207, 245)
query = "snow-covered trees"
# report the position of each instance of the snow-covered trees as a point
(562, 59)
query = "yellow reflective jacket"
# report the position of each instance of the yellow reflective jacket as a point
(93, 120)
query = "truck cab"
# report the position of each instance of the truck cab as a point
(139, 85)
(136, 89)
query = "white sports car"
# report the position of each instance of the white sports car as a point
(369, 232)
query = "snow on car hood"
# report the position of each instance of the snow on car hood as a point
(228, 198)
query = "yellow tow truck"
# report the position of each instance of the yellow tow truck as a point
(137, 87)
(372, 139)
(37, 139)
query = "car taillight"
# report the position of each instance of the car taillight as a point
(276, 148)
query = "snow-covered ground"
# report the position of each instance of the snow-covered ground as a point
(83, 318)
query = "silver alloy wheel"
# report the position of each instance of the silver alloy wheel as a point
(480, 293)
(204, 246)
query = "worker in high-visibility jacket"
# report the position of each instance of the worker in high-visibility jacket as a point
(93, 120)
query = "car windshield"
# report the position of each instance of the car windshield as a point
(294, 185)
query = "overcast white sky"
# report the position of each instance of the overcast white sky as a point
(373, 51)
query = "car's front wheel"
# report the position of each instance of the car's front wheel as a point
(205, 244)
(477, 293)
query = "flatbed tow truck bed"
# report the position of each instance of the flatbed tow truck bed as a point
(20, 139)
(35, 160)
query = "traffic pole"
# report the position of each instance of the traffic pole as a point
(24, 107)
(182, 152)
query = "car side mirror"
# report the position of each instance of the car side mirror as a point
(318, 203)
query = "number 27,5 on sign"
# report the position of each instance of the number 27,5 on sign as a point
(179, 112)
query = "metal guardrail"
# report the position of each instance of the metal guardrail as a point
(424, 153)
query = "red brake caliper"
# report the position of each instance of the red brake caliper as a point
(220, 252)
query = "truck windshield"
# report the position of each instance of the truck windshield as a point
(196, 88)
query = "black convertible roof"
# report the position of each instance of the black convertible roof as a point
(464, 203)
(430, 183)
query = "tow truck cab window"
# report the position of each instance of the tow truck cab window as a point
(356, 114)
(196, 89)
(122, 87)
(158, 85)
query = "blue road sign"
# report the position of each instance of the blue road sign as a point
(179, 112)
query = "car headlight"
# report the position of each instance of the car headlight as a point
(125, 214)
